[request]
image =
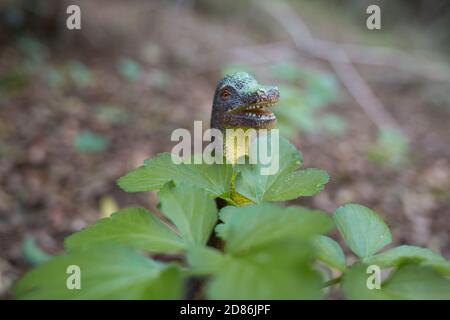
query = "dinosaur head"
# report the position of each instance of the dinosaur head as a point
(241, 102)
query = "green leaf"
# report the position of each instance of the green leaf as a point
(153, 175)
(443, 267)
(391, 148)
(252, 226)
(299, 183)
(286, 183)
(404, 254)
(32, 252)
(408, 282)
(135, 227)
(278, 271)
(191, 209)
(398, 256)
(205, 260)
(329, 251)
(287, 71)
(362, 229)
(214, 178)
(54, 77)
(79, 73)
(105, 273)
(88, 141)
(333, 124)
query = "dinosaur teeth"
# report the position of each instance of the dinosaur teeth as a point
(259, 116)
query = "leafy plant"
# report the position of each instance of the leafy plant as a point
(391, 148)
(254, 249)
(32, 253)
(305, 94)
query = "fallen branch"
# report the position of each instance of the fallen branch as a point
(338, 59)
(357, 54)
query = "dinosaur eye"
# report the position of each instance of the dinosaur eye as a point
(225, 93)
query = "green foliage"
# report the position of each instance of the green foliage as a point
(258, 250)
(110, 272)
(34, 51)
(14, 81)
(329, 252)
(88, 141)
(192, 210)
(397, 256)
(54, 77)
(129, 68)
(320, 87)
(32, 253)
(407, 282)
(155, 172)
(305, 92)
(420, 273)
(253, 226)
(135, 227)
(363, 230)
(286, 184)
(305, 95)
(333, 124)
(205, 260)
(391, 148)
(277, 271)
(269, 245)
(79, 73)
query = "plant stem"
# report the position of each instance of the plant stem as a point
(332, 282)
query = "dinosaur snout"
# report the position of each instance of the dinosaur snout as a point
(268, 94)
(273, 94)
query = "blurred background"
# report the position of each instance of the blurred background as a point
(79, 108)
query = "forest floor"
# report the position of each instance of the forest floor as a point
(51, 186)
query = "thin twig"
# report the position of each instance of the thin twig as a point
(357, 54)
(332, 282)
(338, 59)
